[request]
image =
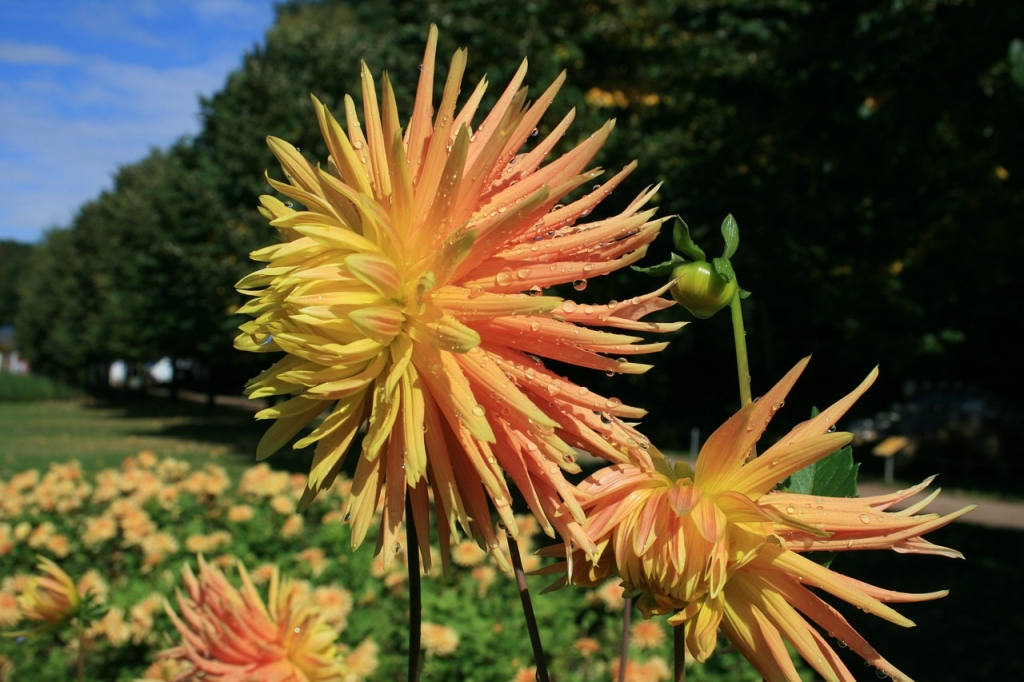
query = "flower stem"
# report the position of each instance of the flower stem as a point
(415, 599)
(80, 632)
(627, 611)
(531, 619)
(679, 650)
(739, 336)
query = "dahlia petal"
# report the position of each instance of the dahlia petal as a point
(341, 152)
(380, 323)
(291, 418)
(829, 417)
(376, 270)
(779, 461)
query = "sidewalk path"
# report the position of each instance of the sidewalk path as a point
(991, 513)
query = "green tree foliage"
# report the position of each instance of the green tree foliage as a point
(869, 151)
(14, 258)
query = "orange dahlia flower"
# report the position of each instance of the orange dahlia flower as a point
(719, 549)
(408, 292)
(231, 636)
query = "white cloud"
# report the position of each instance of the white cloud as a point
(55, 155)
(21, 53)
(92, 85)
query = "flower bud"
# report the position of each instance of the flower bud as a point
(701, 290)
(51, 598)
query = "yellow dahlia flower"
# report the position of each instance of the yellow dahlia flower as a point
(407, 291)
(719, 549)
(51, 598)
(229, 634)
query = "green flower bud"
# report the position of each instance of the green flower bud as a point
(701, 290)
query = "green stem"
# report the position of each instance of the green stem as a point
(415, 599)
(531, 619)
(739, 337)
(679, 650)
(80, 631)
(627, 611)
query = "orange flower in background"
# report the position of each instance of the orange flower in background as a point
(719, 549)
(51, 598)
(229, 634)
(408, 291)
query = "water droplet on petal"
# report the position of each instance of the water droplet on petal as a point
(504, 278)
(533, 133)
(865, 518)
(476, 292)
(579, 285)
(478, 410)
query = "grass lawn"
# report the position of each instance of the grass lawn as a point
(33, 434)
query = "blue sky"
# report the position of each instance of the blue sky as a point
(88, 85)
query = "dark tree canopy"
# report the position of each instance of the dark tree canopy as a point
(869, 151)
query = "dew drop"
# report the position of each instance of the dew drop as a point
(358, 144)
(348, 517)
(523, 273)
(297, 630)
(535, 326)
(535, 291)
(865, 518)
(478, 410)
(790, 509)
(533, 133)
(569, 306)
(504, 278)
(289, 204)
(397, 548)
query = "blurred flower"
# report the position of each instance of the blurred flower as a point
(362, 661)
(156, 548)
(6, 538)
(240, 513)
(292, 526)
(92, 583)
(10, 611)
(202, 544)
(654, 669)
(528, 674)
(141, 616)
(719, 549)
(402, 295)
(229, 634)
(166, 671)
(335, 603)
(468, 554)
(51, 598)
(314, 558)
(587, 646)
(484, 576)
(282, 504)
(99, 529)
(439, 640)
(112, 627)
(647, 634)
(41, 534)
(610, 594)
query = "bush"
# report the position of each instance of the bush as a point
(29, 387)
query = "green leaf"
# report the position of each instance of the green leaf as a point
(662, 269)
(724, 268)
(682, 241)
(744, 293)
(831, 476)
(731, 232)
